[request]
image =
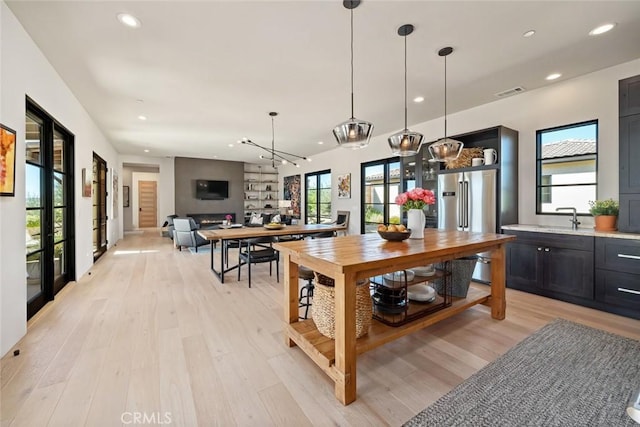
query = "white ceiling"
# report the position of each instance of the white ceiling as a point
(208, 72)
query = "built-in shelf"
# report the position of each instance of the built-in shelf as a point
(260, 189)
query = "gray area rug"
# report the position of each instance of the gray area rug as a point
(563, 375)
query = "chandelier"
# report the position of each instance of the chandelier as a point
(277, 157)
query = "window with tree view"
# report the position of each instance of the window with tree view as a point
(318, 197)
(566, 167)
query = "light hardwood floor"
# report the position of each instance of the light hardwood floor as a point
(151, 333)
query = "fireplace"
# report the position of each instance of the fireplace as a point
(211, 219)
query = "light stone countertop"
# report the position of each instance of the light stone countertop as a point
(557, 229)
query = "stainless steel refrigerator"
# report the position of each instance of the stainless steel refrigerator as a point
(467, 201)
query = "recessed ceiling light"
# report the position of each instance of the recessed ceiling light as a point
(129, 20)
(418, 99)
(553, 76)
(215, 157)
(320, 142)
(601, 29)
(529, 33)
(142, 117)
(146, 150)
(230, 145)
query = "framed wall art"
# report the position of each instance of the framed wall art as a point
(7, 161)
(292, 192)
(344, 186)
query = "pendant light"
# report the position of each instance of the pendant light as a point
(353, 133)
(445, 149)
(406, 142)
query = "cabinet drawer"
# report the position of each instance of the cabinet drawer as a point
(618, 255)
(618, 289)
(548, 240)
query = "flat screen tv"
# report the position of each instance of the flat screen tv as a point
(212, 190)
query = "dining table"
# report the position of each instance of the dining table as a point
(350, 259)
(227, 233)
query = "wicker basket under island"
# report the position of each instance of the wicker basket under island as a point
(323, 308)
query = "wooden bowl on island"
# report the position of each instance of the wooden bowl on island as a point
(394, 233)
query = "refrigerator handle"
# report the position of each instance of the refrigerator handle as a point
(466, 204)
(460, 199)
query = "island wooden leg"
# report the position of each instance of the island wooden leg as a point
(291, 311)
(345, 341)
(498, 283)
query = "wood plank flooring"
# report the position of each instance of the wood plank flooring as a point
(151, 333)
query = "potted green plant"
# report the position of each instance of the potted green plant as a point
(605, 213)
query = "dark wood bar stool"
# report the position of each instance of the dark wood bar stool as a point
(306, 292)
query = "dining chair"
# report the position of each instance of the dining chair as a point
(252, 255)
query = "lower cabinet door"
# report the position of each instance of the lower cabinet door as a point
(524, 266)
(618, 289)
(569, 271)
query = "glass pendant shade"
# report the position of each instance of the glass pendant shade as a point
(405, 143)
(353, 133)
(445, 149)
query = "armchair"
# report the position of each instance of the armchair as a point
(185, 234)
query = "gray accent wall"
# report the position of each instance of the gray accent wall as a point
(188, 170)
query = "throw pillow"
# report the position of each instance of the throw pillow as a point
(256, 219)
(276, 218)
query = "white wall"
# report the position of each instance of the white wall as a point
(593, 96)
(25, 71)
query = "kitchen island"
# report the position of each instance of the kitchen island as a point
(348, 259)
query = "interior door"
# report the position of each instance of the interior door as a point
(147, 204)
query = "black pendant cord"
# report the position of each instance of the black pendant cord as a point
(273, 144)
(445, 97)
(405, 83)
(352, 114)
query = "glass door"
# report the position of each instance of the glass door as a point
(99, 200)
(49, 207)
(380, 186)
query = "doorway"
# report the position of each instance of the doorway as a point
(50, 250)
(99, 201)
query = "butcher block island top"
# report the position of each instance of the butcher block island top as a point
(351, 258)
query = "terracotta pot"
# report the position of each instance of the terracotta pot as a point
(605, 222)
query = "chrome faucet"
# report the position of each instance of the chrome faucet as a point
(574, 220)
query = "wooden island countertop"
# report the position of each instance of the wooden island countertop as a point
(350, 258)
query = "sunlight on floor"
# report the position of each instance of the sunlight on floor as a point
(134, 252)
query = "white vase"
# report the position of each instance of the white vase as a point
(415, 222)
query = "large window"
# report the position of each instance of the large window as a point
(566, 167)
(380, 186)
(318, 197)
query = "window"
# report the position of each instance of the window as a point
(318, 197)
(380, 186)
(566, 158)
